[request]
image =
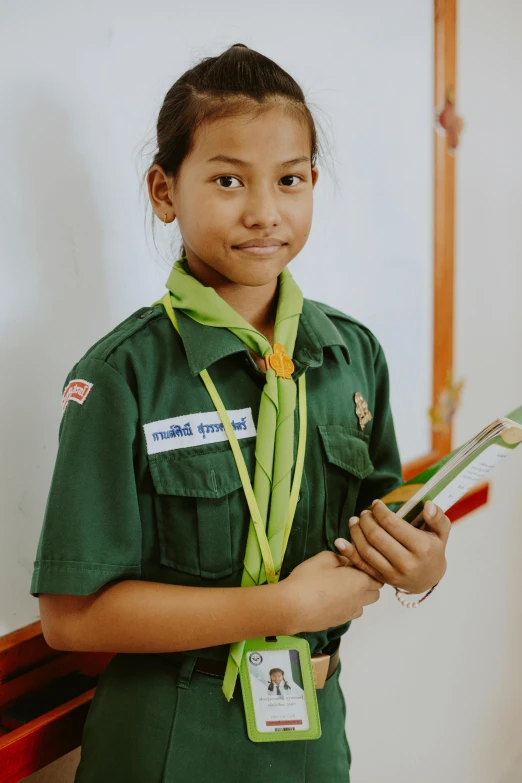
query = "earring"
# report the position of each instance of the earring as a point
(165, 219)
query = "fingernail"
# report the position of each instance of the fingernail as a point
(353, 520)
(374, 502)
(430, 509)
(366, 511)
(340, 544)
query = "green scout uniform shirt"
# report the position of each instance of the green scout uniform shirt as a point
(116, 512)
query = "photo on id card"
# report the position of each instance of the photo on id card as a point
(279, 692)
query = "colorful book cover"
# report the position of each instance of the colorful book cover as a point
(447, 480)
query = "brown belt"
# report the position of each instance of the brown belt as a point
(323, 666)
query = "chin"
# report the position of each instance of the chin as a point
(234, 267)
(255, 277)
(255, 272)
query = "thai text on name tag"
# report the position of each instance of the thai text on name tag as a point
(196, 429)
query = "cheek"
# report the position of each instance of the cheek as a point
(300, 218)
(202, 231)
(203, 216)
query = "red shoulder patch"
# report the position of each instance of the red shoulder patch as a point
(76, 390)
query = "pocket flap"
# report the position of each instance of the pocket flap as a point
(347, 448)
(201, 471)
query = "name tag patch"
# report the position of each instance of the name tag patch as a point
(76, 390)
(196, 429)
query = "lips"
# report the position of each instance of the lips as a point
(269, 242)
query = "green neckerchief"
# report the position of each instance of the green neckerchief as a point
(275, 426)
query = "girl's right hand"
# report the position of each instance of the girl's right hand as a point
(326, 591)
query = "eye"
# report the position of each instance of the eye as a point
(229, 177)
(226, 176)
(292, 176)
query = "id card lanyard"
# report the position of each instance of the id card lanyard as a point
(259, 527)
(274, 711)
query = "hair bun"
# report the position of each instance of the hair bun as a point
(240, 44)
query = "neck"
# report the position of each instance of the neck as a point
(256, 304)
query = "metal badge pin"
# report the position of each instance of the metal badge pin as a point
(282, 365)
(361, 409)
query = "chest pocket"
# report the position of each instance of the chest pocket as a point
(201, 509)
(347, 463)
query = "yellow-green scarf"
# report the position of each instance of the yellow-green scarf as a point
(275, 426)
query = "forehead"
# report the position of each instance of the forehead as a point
(269, 138)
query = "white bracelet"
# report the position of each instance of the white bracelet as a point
(413, 604)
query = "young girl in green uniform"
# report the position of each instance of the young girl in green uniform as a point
(219, 439)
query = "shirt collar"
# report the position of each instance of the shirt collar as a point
(205, 345)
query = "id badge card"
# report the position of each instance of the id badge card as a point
(279, 695)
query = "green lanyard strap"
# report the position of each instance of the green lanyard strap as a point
(259, 527)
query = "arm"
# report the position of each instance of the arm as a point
(137, 616)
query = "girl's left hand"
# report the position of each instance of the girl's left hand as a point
(393, 551)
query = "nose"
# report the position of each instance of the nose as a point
(262, 208)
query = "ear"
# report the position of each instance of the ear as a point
(158, 184)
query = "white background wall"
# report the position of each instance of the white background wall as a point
(81, 86)
(435, 693)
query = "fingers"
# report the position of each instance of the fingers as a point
(373, 525)
(342, 560)
(411, 538)
(372, 597)
(436, 520)
(356, 560)
(369, 544)
(397, 528)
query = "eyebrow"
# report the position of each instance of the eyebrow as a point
(238, 162)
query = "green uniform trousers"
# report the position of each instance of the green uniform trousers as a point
(153, 720)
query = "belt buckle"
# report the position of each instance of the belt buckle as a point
(320, 664)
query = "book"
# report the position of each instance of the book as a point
(447, 480)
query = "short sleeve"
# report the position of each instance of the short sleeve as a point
(384, 451)
(91, 531)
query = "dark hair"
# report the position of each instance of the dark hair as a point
(228, 85)
(271, 684)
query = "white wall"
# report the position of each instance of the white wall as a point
(435, 693)
(81, 85)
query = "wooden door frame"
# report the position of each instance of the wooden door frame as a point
(444, 50)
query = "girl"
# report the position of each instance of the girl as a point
(147, 541)
(276, 677)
